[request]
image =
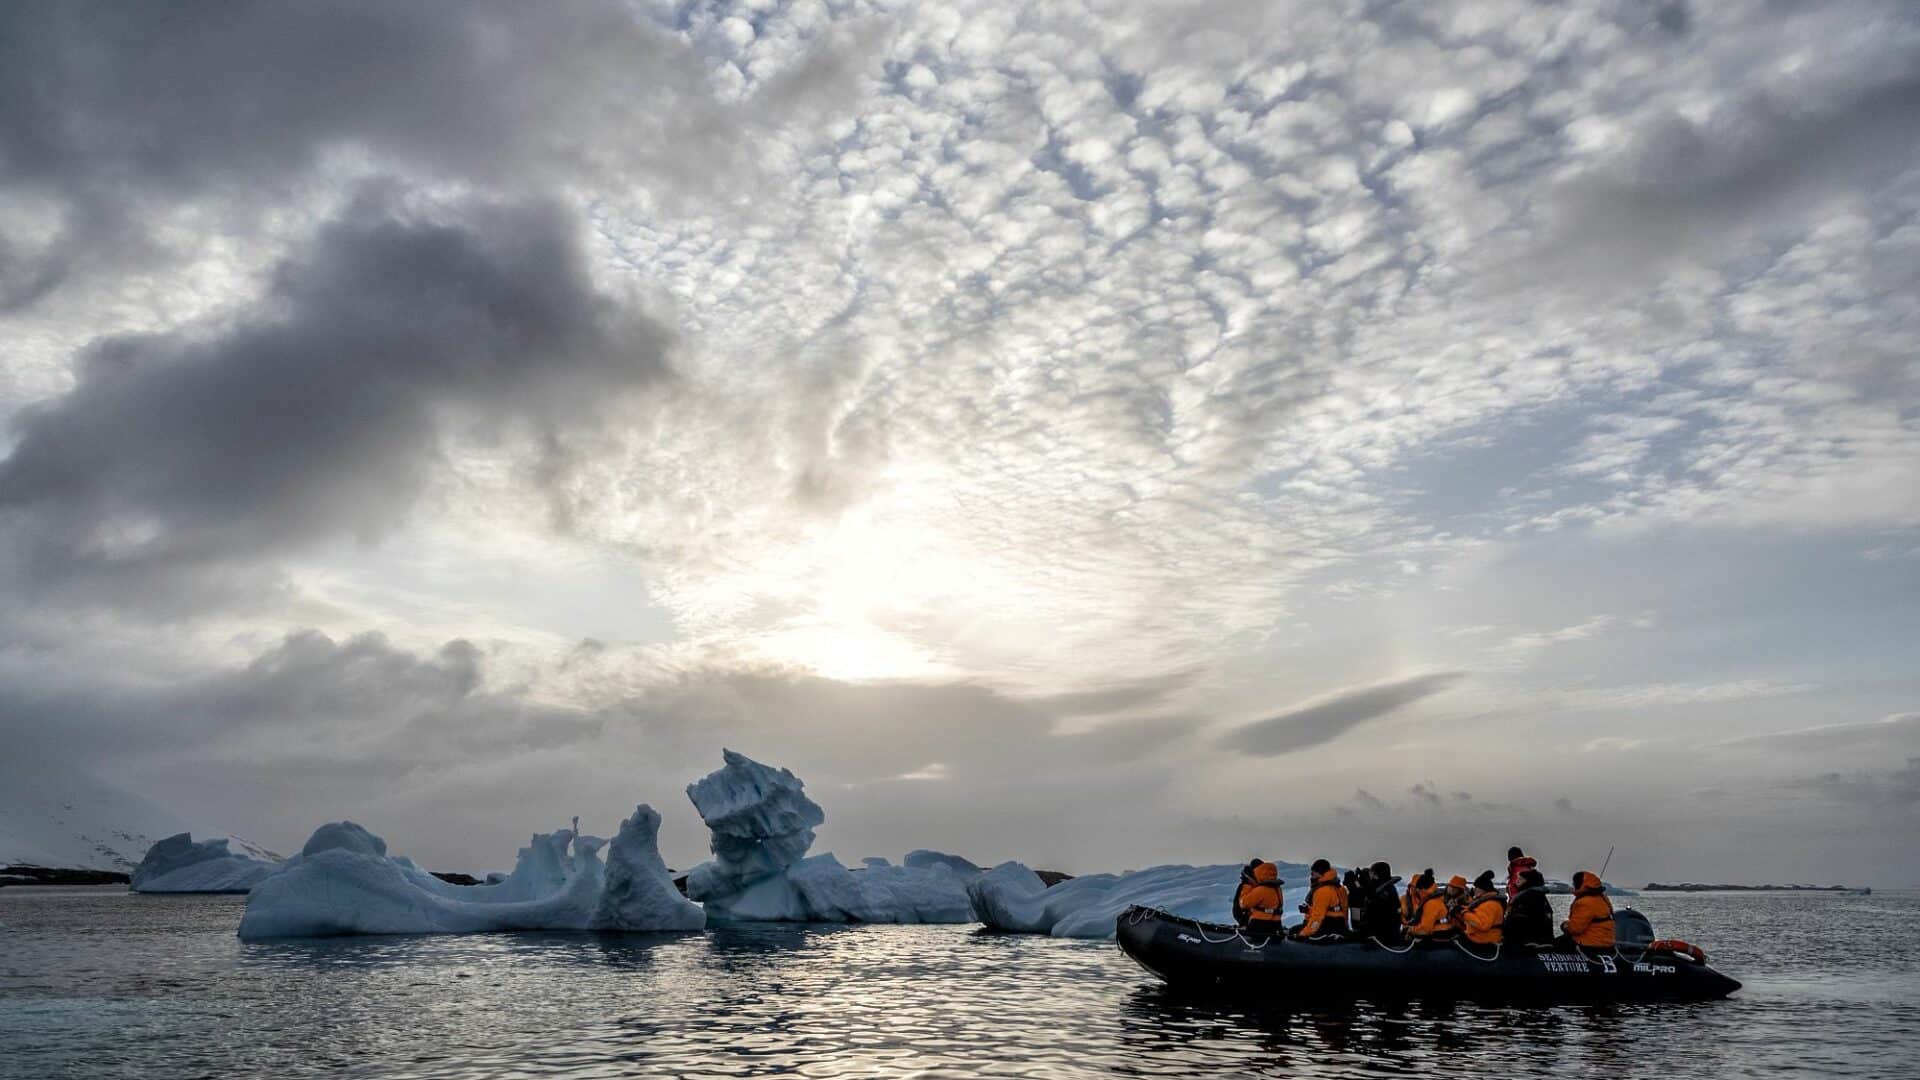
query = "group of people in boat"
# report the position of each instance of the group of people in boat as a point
(1368, 903)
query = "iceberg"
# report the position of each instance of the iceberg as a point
(1012, 897)
(762, 826)
(179, 865)
(344, 882)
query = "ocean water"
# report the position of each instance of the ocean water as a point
(98, 982)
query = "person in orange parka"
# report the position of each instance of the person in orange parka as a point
(1415, 896)
(1590, 921)
(1436, 909)
(1257, 903)
(1326, 906)
(1484, 913)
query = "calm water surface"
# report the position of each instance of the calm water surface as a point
(95, 982)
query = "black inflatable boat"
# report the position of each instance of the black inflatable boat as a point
(1202, 956)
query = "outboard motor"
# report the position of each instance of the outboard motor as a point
(1632, 930)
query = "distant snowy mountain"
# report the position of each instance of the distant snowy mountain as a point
(59, 817)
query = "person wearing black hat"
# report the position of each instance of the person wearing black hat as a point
(1377, 913)
(1518, 862)
(1483, 912)
(1530, 914)
(1326, 906)
(1257, 900)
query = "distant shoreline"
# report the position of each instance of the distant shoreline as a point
(1690, 886)
(44, 875)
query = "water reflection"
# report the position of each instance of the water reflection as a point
(165, 990)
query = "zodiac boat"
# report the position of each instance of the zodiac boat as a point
(1197, 955)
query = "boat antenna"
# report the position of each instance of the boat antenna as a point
(1603, 866)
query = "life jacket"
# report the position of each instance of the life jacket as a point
(1410, 903)
(1514, 869)
(1482, 918)
(1590, 919)
(1326, 907)
(1435, 918)
(1260, 898)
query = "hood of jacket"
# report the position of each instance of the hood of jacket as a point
(1587, 883)
(1266, 874)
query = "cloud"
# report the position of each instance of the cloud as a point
(1651, 695)
(1611, 743)
(1760, 161)
(1888, 732)
(123, 114)
(1894, 788)
(1332, 715)
(317, 412)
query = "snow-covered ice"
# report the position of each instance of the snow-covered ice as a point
(762, 825)
(344, 882)
(1012, 897)
(179, 865)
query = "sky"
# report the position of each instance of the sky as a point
(1099, 434)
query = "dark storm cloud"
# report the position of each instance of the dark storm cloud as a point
(313, 728)
(115, 111)
(307, 703)
(1330, 717)
(1765, 160)
(316, 412)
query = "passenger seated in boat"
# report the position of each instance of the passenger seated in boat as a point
(1530, 915)
(1326, 906)
(1484, 912)
(1436, 909)
(1376, 914)
(1590, 921)
(1257, 902)
(1415, 896)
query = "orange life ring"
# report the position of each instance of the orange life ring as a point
(1675, 945)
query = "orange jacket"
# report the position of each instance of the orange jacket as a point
(1262, 897)
(1434, 918)
(1410, 902)
(1482, 919)
(1327, 906)
(1590, 920)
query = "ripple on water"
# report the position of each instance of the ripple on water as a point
(100, 983)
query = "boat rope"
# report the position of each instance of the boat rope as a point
(1462, 946)
(1405, 949)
